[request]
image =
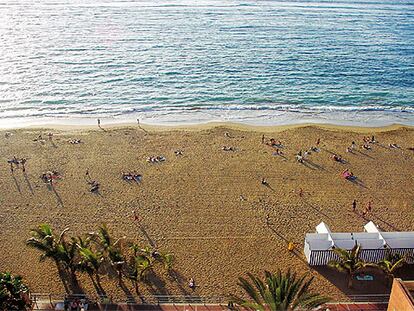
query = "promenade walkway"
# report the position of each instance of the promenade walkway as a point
(46, 306)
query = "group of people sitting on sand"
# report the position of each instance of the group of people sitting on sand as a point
(15, 163)
(131, 176)
(367, 141)
(351, 148)
(302, 156)
(156, 159)
(41, 140)
(50, 176)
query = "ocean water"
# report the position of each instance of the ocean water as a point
(171, 62)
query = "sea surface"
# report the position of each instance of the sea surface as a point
(173, 62)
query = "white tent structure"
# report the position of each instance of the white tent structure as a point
(374, 244)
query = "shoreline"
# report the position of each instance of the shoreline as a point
(212, 125)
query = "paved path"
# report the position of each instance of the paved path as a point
(366, 306)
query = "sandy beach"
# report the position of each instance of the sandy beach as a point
(207, 206)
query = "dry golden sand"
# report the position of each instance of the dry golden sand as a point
(190, 204)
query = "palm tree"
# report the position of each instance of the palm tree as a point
(278, 292)
(140, 264)
(13, 293)
(68, 255)
(117, 261)
(390, 264)
(104, 238)
(44, 240)
(90, 262)
(348, 262)
(168, 260)
(53, 247)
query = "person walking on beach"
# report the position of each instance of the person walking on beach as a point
(267, 219)
(364, 212)
(99, 123)
(23, 162)
(263, 139)
(191, 284)
(369, 207)
(136, 217)
(354, 204)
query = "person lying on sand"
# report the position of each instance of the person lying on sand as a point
(75, 141)
(131, 176)
(225, 148)
(274, 143)
(348, 175)
(338, 158)
(299, 157)
(178, 152)
(366, 147)
(39, 139)
(394, 146)
(156, 159)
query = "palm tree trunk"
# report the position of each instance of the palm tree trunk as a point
(119, 276)
(389, 278)
(350, 276)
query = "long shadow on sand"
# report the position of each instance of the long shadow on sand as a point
(179, 280)
(294, 252)
(377, 219)
(129, 296)
(312, 165)
(364, 154)
(145, 233)
(156, 285)
(29, 185)
(16, 183)
(316, 209)
(70, 282)
(58, 198)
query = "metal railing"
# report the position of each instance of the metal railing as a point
(155, 299)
